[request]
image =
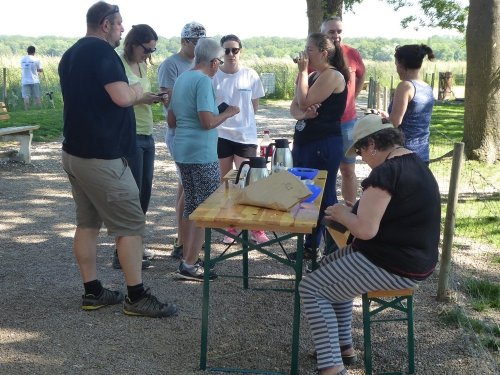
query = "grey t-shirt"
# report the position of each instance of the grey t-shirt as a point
(172, 68)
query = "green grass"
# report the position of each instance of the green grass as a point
(486, 295)
(489, 335)
(447, 121)
(51, 121)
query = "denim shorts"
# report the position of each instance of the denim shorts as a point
(346, 128)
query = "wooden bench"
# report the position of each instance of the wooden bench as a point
(22, 134)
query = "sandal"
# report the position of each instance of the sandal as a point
(348, 360)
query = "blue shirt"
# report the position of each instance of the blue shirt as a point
(416, 120)
(193, 144)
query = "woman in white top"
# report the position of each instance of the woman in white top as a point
(237, 85)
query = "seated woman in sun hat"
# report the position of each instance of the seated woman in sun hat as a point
(395, 224)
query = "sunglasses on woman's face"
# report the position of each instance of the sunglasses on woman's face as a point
(147, 50)
(235, 51)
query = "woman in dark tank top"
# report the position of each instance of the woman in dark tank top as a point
(319, 103)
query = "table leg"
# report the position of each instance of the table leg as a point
(205, 303)
(294, 370)
(244, 237)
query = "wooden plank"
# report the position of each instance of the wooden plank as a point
(390, 293)
(18, 129)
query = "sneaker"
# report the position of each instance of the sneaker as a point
(117, 266)
(201, 262)
(196, 273)
(148, 254)
(177, 251)
(258, 236)
(228, 240)
(149, 306)
(309, 254)
(106, 298)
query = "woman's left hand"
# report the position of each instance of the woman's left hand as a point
(337, 211)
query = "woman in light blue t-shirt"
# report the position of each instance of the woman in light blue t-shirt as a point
(195, 117)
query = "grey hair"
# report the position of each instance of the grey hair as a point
(206, 50)
(333, 18)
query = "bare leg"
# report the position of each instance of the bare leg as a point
(38, 102)
(331, 370)
(84, 248)
(26, 103)
(226, 165)
(130, 255)
(238, 160)
(349, 181)
(193, 240)
(179, 209)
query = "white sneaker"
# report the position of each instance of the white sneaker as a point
(148, 254)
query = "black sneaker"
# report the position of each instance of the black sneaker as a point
(309, 254)
(117, 266)
(149, 306)
(196, 273)
(106, 298)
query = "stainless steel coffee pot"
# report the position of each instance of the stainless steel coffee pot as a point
(282, 156)
(258, 170)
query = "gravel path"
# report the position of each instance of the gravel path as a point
(43, 331)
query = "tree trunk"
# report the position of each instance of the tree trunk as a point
(314, 14)
(333, 8)
(482, 86)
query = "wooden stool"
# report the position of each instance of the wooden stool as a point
(401, 300)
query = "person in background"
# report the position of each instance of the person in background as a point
(237, 85)
(195, 116)
(411, 107)
(99, 133)
(318, 104)
(30, 81)
(140, 43)
(333, 27)
(169, 70)
(395, 245)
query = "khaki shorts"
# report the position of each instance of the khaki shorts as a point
(105, 192)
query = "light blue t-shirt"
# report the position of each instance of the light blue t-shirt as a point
(193, 93)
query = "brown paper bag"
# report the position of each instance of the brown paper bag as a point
(280, 191)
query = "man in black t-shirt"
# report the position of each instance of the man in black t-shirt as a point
(99, 132)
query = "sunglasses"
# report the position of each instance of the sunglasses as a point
(335, 31)
(221, 62)
(113, 10)
(235, 51)
(147, 50)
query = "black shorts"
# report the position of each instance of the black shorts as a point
(227, 148)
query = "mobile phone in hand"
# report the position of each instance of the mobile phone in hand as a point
(222, 107)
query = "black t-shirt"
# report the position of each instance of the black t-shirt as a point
(94, 126)
(408, 238)
(327, 123)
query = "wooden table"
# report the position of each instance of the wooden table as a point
(219, 212)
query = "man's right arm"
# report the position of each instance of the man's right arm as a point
(123, 94)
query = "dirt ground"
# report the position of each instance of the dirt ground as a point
(43, 330)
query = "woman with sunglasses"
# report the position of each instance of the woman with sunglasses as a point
(319, 103)
(140, 43)
(240, 86)
(395, 225)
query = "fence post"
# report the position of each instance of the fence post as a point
(4, 84)
(449, 223)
